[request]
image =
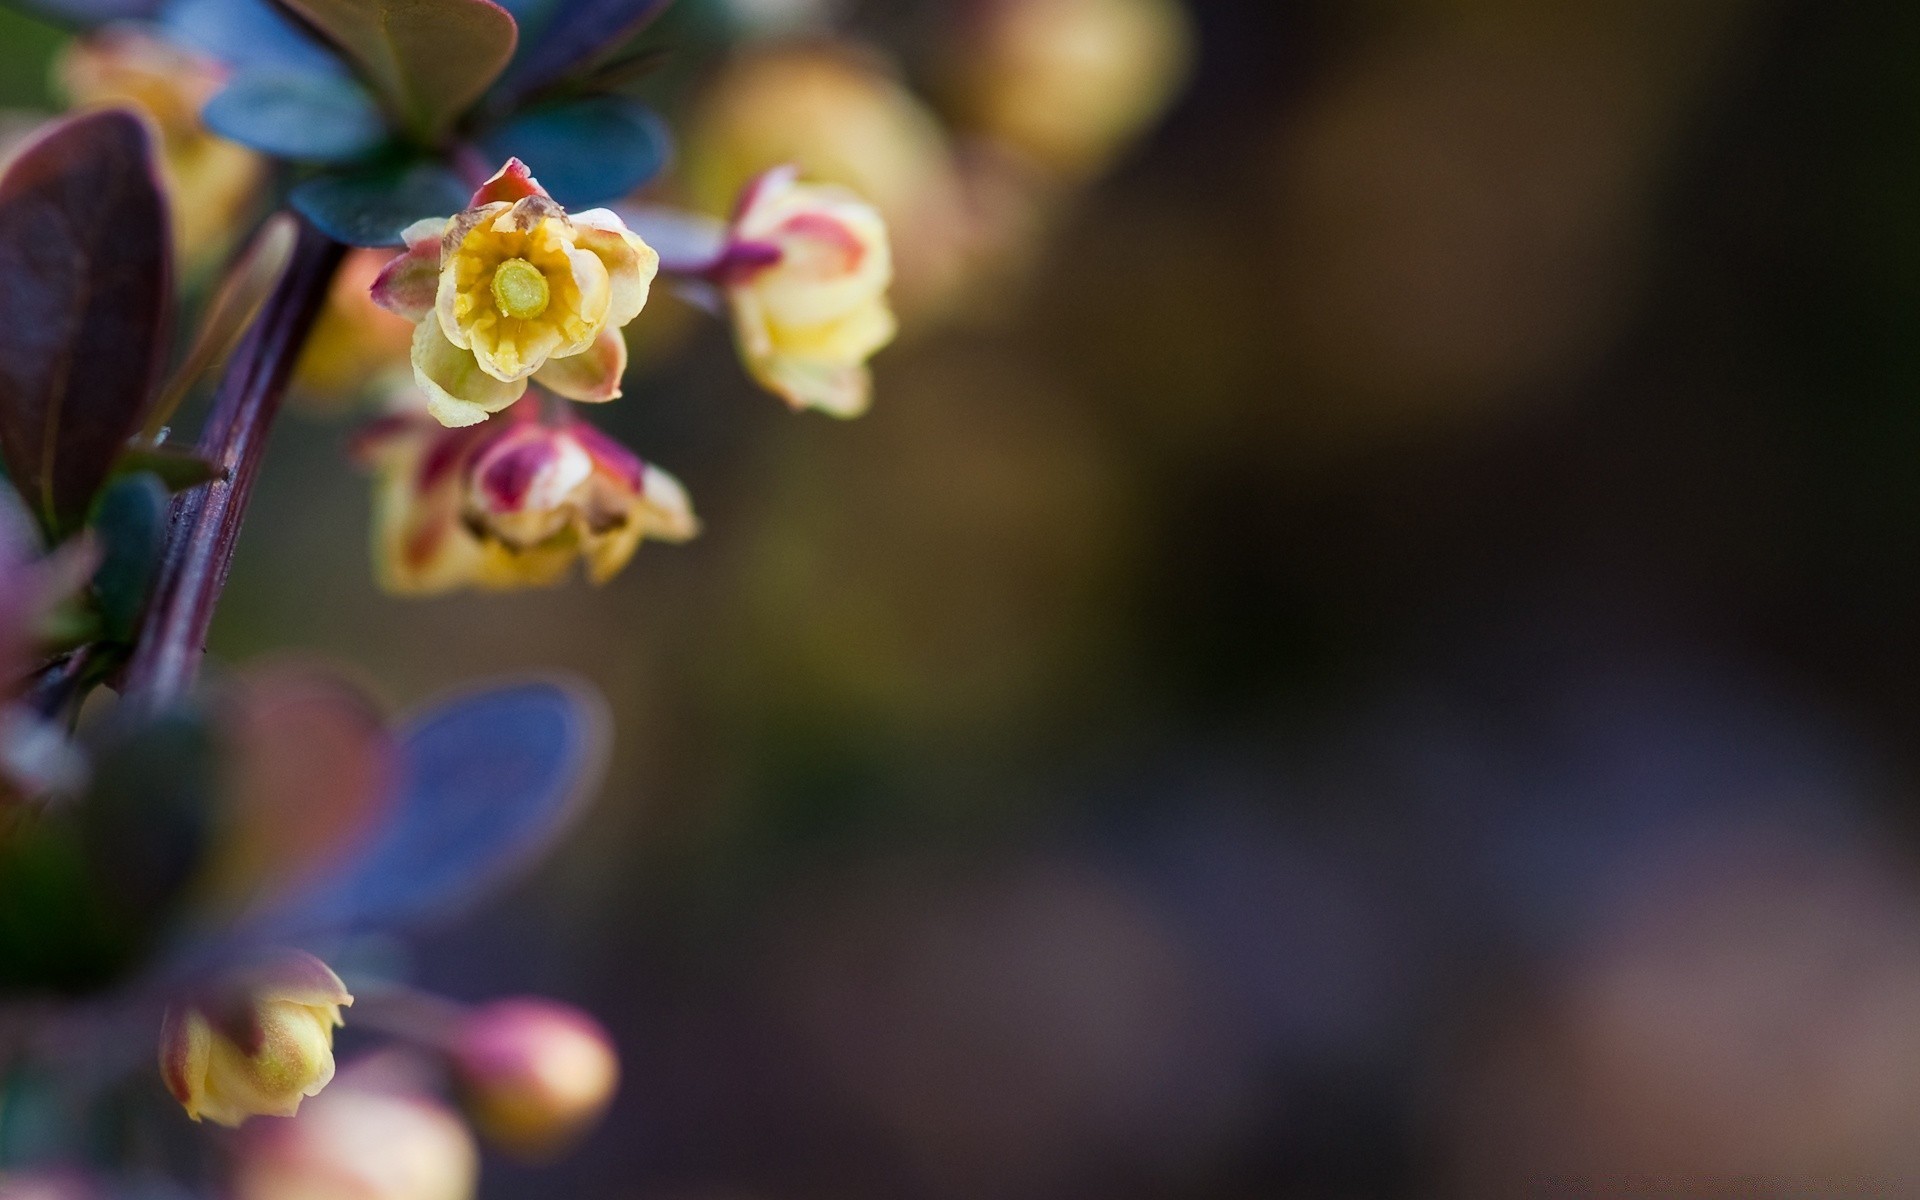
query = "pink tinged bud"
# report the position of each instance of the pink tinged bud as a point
(359, 1143)
(534, 1074)
(255, 1043)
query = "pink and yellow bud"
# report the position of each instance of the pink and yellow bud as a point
(514, 289)
(359, 1142)
(211, 180)
(534, 1074)
(806, 275)
(842, 116)
(256, 1043)
(511, 507)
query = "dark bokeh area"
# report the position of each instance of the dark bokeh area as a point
(1386, 667)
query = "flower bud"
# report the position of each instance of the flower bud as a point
(359, 1142)
(533, 1073)
(254, 1044)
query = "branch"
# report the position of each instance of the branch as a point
(205, 521)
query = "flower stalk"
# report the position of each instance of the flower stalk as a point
(204, 523)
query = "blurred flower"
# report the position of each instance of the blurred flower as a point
(255, 1044)
(514, 288)
(806, 273)
(511, 507)
(533, 1073)
(359, 1142)
(843, 118)
(1069, 82)
(355, 341)
(211, 180)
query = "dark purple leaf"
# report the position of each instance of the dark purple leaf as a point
(579, 34)
(85, 260)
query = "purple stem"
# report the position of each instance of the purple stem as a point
(204, 522)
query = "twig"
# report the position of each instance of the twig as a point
(205, 521)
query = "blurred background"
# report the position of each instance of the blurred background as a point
(1370, 651)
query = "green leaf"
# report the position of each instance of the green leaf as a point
(428, 59)
(369, 206)
(298, 115)
(176, 469)
(585, 152)
(85, 253)
(131, 521)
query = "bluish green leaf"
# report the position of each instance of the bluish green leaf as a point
(579, 34)
(429, 60)
(586, 152)
(131, 522)
(300, 116)
(369, 206)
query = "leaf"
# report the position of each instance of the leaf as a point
(582, 34)
(586, 152)
(370, 206)
(176, 469)
(131, 520)
(247, 35)
(310, 773)
(247, 285)
(84, 14)
(84, 248)
(486, 782)
(299, 116)
(429, 59)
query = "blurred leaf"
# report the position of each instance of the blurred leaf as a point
(56, 932)
(131, 521)
(147, 819)
(85, 14)
(580, 35)
(248, 34)
(245, 288)
(176, 469)
(84, 251)
(311, 772)
(586, 152)
(486, 782)
(430, 59)
(369, 206)
(299, 116)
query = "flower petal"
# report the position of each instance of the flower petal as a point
(458, 392)
(631, 263)
(407, 284)
(592, 376)
(512, 182)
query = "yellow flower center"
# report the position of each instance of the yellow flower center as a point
(519, 289)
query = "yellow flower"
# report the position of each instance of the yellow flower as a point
(806, 274)
(516, 288)
(512, 506)
(211, 180)
(256, 1044)
(533, 1073)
